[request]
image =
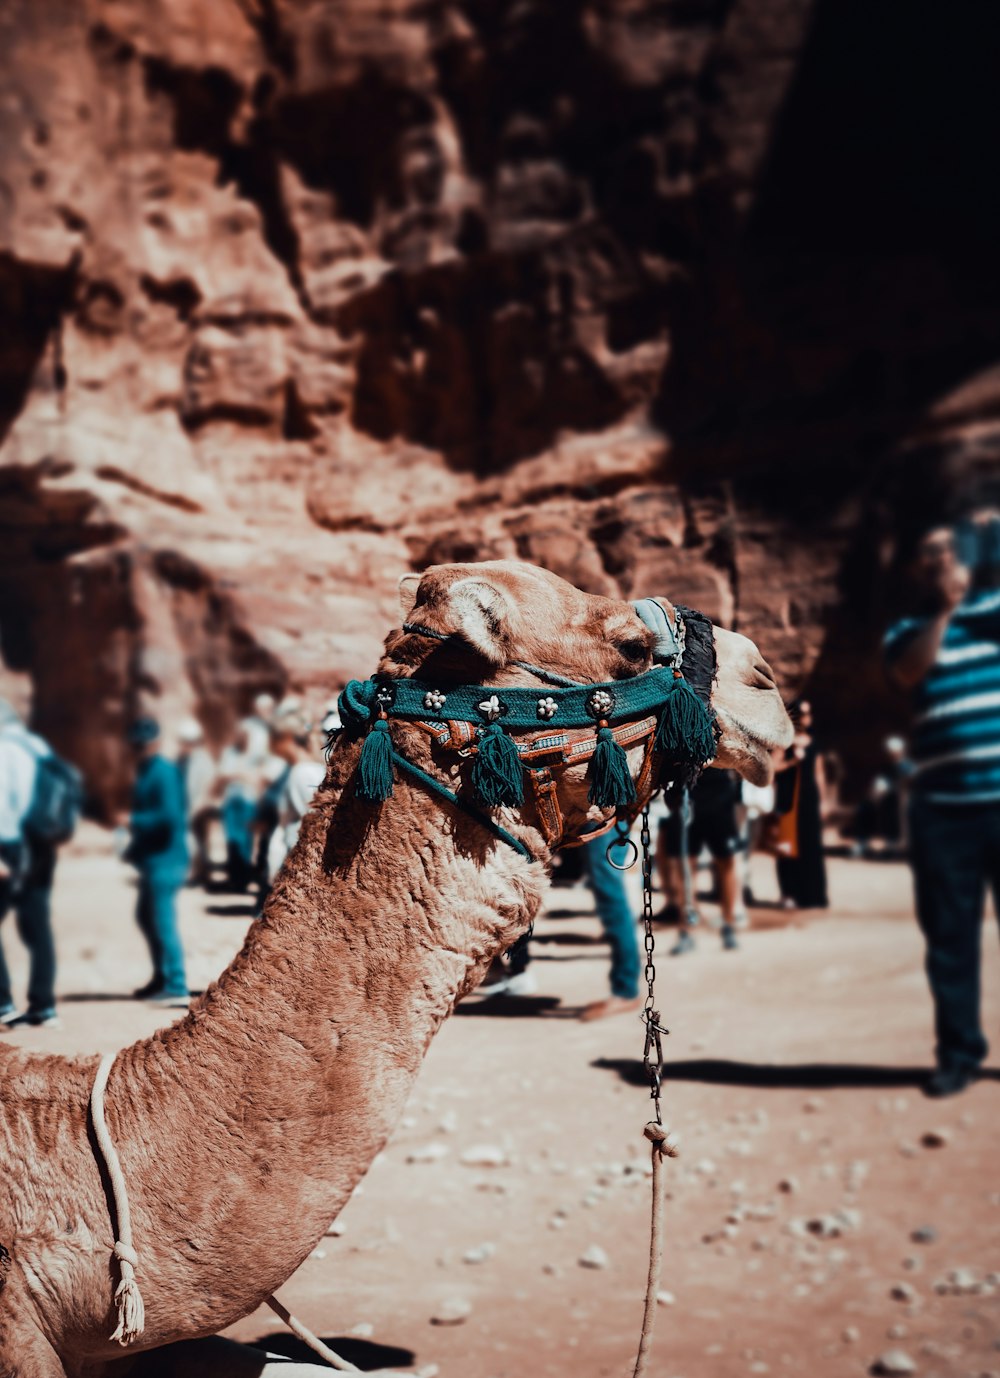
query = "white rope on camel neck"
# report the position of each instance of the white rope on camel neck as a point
(128, 1298)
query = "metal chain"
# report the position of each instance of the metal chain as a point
(652, 1056)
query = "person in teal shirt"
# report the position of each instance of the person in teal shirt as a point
(158, 850)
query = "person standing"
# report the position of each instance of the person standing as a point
(948, 659)
(197, 768)
(712, 823)
(27, 869)
(158, 850)
(799, 797)
(615, 913)
(292, 742)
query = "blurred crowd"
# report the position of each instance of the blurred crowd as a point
(254, 793)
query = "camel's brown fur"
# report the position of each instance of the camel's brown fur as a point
(244, 1128)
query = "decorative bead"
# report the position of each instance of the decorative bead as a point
(492, 708)
(434, 700)
(600, 703)
(547, 708)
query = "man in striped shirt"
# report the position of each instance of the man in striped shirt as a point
(949, 660)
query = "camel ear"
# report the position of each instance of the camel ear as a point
(481, 614)
(408, 586)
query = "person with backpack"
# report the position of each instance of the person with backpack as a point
(158, 850)
(40, 800)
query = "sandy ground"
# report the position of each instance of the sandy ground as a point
(793, 1082)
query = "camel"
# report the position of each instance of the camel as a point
(244, 1128)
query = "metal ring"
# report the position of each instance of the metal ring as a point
(622, 842)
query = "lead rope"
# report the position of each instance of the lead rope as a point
(128, 1298)
(662, 1142)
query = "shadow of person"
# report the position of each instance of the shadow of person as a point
(513, 1007)
(805, 1076)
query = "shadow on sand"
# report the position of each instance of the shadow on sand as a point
(363, 1354)
(515, 1007)
(804, 1076)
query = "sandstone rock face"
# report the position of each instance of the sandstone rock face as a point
(691, 298)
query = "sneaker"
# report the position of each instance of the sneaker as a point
(151, 988)
(741, 920)
(35, 1019)
(166, 1001)
(949, 1081)
(730, 942)
(7, 1015)
(684, 943)
(523, 983)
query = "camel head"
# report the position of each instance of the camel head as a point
(498, 622)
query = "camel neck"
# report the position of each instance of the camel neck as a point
(293, 1069)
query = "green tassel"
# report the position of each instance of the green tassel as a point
(374, 778)
(611, 783)
(684, 733)
(497, 777)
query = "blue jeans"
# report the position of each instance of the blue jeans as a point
(955, 854)
(238, 812)
(156, 915)
(31, 902)
(617, 919)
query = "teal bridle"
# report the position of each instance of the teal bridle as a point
(658, 707)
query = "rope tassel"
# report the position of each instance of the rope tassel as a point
(128, 1298)
(685, 733)
(374, 777)
(611, 783)
(497, 776)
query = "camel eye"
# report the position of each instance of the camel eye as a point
(636, 651)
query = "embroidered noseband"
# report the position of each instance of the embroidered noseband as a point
(658, 707)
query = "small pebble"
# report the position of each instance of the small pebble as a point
(593, 1257)
(364, 1330)
(935, 1138)
(428, 1153)
(924, 1234)
(665, 1298)
(335, 1229)
(453, 1311)
(813, 1105)
(850, 1334)
(483, 1155)
(480, 1253)
(893, 1361)
(788, 1185)
(962, 1281)
(902, 1291)
(897, 1332)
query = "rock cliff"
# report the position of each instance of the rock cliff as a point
(682, 295)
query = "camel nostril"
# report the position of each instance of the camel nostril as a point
(763, 676)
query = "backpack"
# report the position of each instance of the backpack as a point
(56, 801)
